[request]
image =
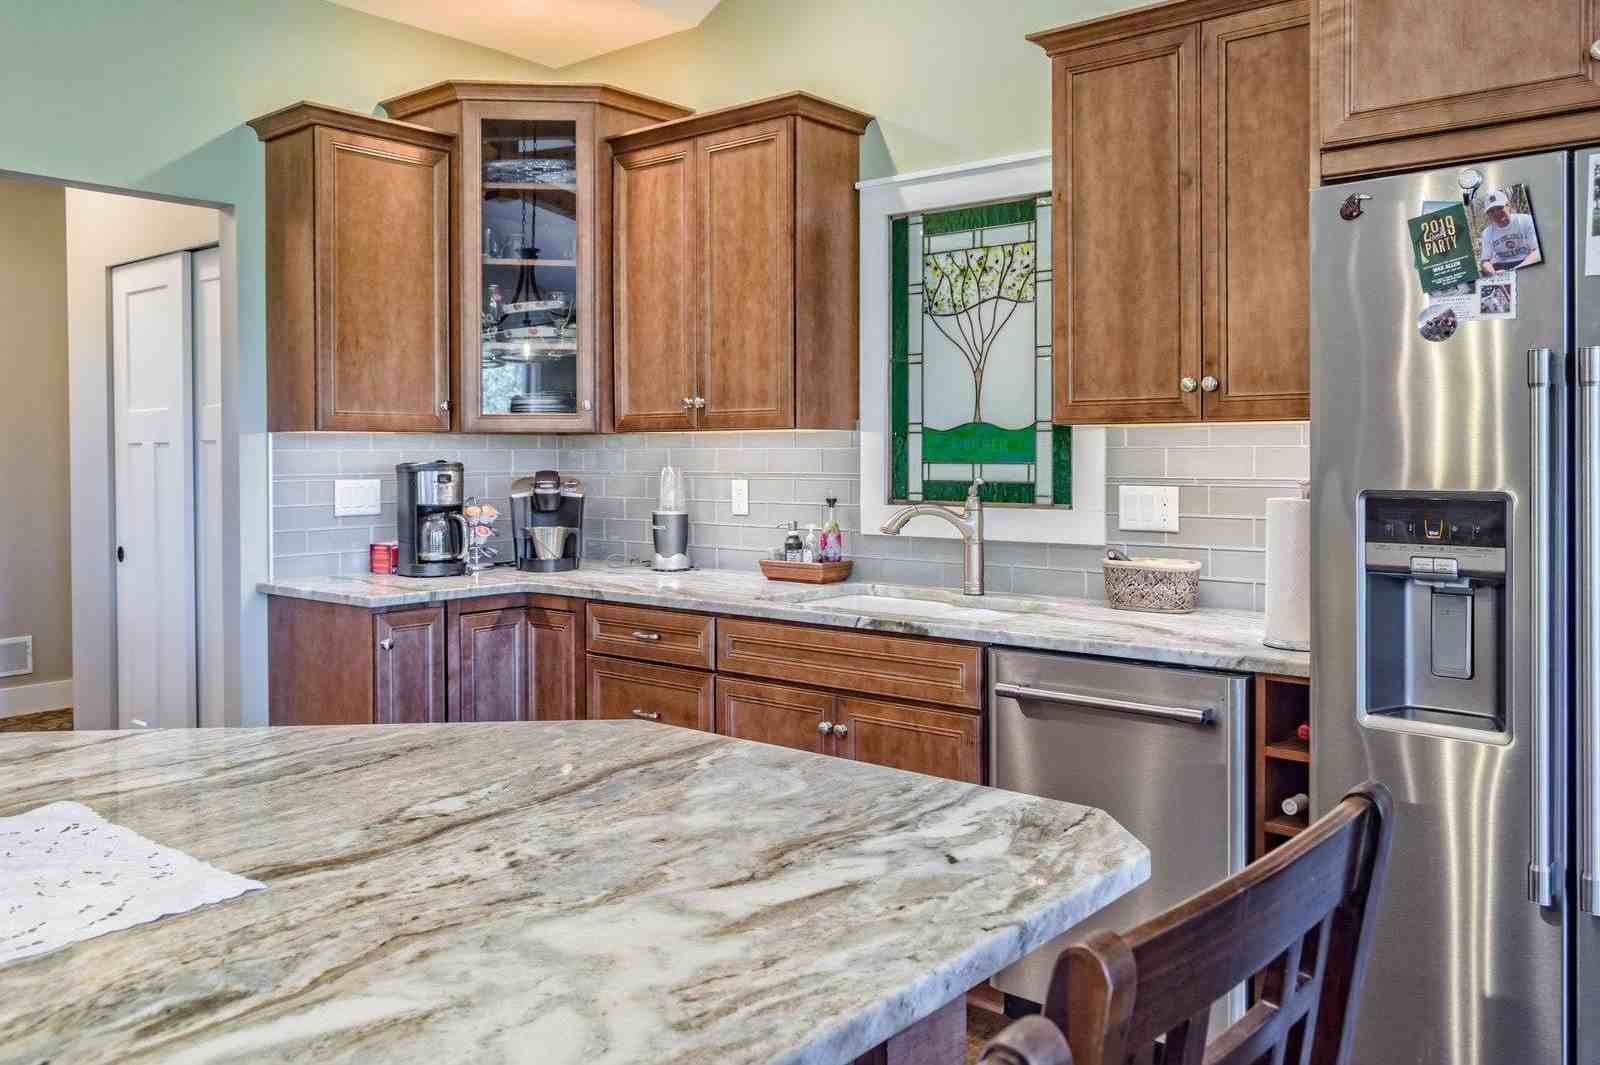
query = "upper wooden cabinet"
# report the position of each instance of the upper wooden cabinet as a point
(531, 258)
(736, 268)
(1406, 84)
(1179, 232)
(358, 280)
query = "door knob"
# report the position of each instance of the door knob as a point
(387, 643)
(1187, 384)
(825, 727)
(1208, 383)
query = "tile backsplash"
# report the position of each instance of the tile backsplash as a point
(1225, 474)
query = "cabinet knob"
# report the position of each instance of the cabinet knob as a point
(645, 715)
(387, 643)
(444, 406)
(825, 727)
(1188, 384)
(1594, 50)
(841, 730)
(1208, 383)
(700, 402)
(688, 402)
(587, 405)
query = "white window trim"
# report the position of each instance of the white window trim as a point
(1008, 177)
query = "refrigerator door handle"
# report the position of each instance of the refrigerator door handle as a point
(1587, 658)
(1541, 864)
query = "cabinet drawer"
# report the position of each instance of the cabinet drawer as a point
(653, 635)
(916, 738)
(904, 667)
(619, 689)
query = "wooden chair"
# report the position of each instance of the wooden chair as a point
(1304, 911)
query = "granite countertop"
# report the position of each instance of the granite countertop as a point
(601, 891)
(1215, 639)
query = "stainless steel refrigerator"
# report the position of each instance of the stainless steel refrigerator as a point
(1455, 474)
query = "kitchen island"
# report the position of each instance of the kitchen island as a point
(597, 891)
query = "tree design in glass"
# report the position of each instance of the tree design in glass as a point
(971, 359)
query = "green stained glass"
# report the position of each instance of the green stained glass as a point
(970, 359)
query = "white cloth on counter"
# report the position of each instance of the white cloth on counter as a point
(67, 874)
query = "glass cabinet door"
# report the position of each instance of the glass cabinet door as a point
(532, 351)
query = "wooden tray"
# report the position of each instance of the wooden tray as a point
(808, 572)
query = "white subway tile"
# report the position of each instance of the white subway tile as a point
(1204, 462)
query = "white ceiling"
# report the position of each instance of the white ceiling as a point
(555, 33)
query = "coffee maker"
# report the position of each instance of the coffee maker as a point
(547, 522)
(433, 531)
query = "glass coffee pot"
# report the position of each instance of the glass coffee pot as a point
(434, 542)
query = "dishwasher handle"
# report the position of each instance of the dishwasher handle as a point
(1187, 715)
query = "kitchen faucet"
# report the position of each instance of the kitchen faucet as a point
(969, 524)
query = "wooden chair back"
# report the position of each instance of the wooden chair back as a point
(1299, 920)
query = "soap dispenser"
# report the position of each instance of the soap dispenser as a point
(792, 547)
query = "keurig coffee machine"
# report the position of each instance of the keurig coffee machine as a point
(547, 522)
(433, 532)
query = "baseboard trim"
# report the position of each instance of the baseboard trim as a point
(32, 698)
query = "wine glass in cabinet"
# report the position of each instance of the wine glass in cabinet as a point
(531, 246)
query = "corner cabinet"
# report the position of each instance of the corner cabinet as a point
(358, 279)
(736, 275)
(1182, 171)
(532, 321)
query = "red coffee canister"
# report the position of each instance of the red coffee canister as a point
(381, 557)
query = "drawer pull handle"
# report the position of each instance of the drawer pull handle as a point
(825, 727)
(1188, 715)
(651, 636)
(645, 715)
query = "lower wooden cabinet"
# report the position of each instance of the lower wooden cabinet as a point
(936, 742)
(774, 713)
(619, 688)
(409, 683)
(493, 671)
(555, 664)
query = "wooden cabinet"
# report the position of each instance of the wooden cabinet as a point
(917, 738)
(358, 283)
(1407, 84)
(775, 713)
(668, 636)
(555, 663)
(410, 687)
(493, 665)
(619, 688)
(736, 268)
(1179, 228)
(532, 322)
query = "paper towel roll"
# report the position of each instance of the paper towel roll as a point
(1289, 574)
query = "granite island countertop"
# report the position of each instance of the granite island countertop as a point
(1208, 638)
(585, 892)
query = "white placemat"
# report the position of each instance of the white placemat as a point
(67, 874)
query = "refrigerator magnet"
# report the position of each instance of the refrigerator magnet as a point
(1437, 322)
(1497, 295)
(1441, 248)
(1508, 237)
(1591, 244)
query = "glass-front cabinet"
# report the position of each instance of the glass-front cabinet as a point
(532, 247)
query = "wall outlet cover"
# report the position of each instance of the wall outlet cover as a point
(1147, 508)
(741, 497)
(355, 498)
(16, 656)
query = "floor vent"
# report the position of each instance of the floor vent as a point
(16, 656)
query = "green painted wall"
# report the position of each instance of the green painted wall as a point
(949, 80)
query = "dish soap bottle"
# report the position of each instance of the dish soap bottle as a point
(792, 547)
(832, 537)
(809, 552)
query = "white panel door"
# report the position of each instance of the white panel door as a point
(208, 482)
(153, 407)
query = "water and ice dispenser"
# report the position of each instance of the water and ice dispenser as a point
(1433, 635)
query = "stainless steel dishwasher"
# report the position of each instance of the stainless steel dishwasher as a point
(1160, 749)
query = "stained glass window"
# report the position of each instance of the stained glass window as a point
(969, 369)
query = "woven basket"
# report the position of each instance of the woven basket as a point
(1163, 585)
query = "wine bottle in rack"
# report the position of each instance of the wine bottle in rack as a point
(1296, 804)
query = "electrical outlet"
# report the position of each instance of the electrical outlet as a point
(354, 498)
(741, 497)
(16, 656)
(1147, 508)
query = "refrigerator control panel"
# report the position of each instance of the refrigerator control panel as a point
(1436, 537)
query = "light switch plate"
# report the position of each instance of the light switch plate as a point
(1147, 508)
(355, 498)
(741, 497)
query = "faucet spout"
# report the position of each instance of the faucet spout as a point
(968, 522)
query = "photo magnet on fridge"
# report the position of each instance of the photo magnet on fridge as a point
(1441, 247)
(1508, 238)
